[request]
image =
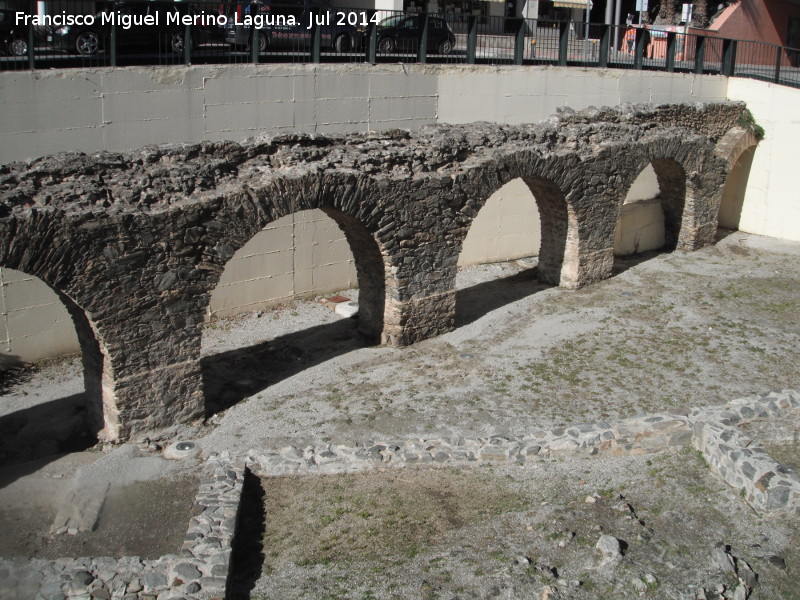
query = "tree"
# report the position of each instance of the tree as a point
(700, 14)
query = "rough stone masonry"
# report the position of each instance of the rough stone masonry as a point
(135, 242)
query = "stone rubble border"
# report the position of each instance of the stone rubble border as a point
(202, 569)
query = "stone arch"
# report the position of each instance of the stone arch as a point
(737, 148)
(671, 178)
(244, 215)
(558, 222)
(689, 176)
(506, 228)
(102, 415)
(668, 202)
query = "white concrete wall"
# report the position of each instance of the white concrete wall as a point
(108, 109)
(771, 204)
(299, 255)
(502, 94)
(507, 227)
(644, 187)
(34, 323)
(641, 221)
(116, 109)
(730, 210)
(640, 227)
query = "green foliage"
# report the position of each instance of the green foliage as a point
(748, 121)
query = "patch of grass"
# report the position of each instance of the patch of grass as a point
(351, 518)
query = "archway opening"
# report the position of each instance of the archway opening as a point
(650, 218)
(730, 210)
(308, 287)
(48, 407)
(514, 247)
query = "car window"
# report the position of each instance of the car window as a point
(391, 22)
(409, 23)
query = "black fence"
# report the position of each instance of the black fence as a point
(76, 33)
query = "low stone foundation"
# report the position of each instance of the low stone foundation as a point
(202, 569)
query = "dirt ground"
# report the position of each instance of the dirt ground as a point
(667, 331)
(507, 532)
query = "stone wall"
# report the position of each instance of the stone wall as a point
(203, 568)
(135, 242)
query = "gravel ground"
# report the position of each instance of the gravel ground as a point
(667, 331)
(682, 329)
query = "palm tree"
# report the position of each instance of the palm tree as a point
(669, 12)
(700, 14)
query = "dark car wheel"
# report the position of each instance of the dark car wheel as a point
(87, 43)
(18, 47)
(263, 43)
(386, 45)
(343, 43)
(176, 42)
(445, 47)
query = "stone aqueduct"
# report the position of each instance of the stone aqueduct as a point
(134, 243)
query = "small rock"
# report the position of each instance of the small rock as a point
(608, 545)
(80, 580)
(777, 561)
(623, 507)
(740, 593)
(100, 593)
(722, 561)
(550, 592)
(188, 571)
(746, 573)
(590, 500)
(609, 548)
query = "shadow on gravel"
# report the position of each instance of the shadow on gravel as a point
(247, 554)
(623, 263)
(44, 430)
(230, 377)
(474, 302)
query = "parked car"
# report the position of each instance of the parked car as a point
(287, 25)
(13, 38)
(402, 33)
(165, 35)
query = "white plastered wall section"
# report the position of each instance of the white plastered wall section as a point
(641, 220)
(299, 255)
(34, 323)
(108, 109)
(771, 204)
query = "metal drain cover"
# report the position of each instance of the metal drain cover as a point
(181, 450)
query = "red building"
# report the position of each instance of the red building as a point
(773, 21)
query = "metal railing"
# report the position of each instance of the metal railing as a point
(227, 32)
